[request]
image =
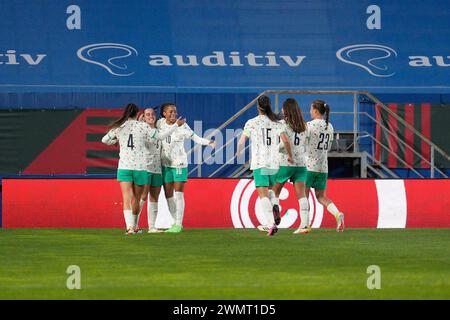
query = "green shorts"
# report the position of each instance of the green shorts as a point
(174, 174)
(262, 179)
(316, 180)
(295, 174)
(154, 179)
(139, 177)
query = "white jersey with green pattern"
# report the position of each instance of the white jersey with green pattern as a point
(298, 145)
(133, 137)
(264, 137)
(319, 143)
(173, 154)
(154, 156)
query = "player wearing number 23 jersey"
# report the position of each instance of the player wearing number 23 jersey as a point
(320, 137)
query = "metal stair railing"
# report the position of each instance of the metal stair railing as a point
(229, 161)
(403, 143)
(356, 134)
(218, 129)
(433, 147)
(381, 165)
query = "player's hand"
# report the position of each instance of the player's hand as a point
(141, 117)
(212, 144)
(290, 160)
(181, 121)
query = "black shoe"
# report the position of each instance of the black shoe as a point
(276, 214)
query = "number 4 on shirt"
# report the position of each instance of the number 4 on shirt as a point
(130, 143)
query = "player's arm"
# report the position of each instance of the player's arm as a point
(287, 146)
(330, 142)
(110, 138)
(161, 136)
(307, 138)
(203, 141)
(241, 144)
(280, 143)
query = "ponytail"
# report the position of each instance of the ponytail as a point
(323, 108)
(327, 114)
(131, 110)
(265, 107)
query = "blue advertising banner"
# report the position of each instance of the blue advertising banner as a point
(224, 46)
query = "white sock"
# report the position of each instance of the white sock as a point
(304, 212)
(152, 211)
(136, 217)
(266, 206)
(275, 201)
(332, 209)
(271, 196)
(129, 218)
(179, 200)
(172, 208)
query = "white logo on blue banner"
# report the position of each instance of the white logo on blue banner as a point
(114, 67)
(373, 53)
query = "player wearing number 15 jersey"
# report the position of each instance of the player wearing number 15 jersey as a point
(320, 137)
(132, 174)
(265, 132)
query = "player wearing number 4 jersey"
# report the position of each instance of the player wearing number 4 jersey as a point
(175, 163)
(132, 136)
(320, 136)
(264, 132)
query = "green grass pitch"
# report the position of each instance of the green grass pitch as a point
(225, 264)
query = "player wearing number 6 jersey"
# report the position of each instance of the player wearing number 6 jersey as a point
(320, 136)
(175, 163)
(132, 136)
(296, 131)
(265, 132)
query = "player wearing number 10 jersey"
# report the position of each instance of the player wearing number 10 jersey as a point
(320, 137)
(174, 162)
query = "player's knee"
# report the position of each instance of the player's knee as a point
(321, 199)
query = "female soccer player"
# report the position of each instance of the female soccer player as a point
(174, 163)
(320, 136)
(264, 132)
(296, 131)
(153, 188)
(132, 136)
